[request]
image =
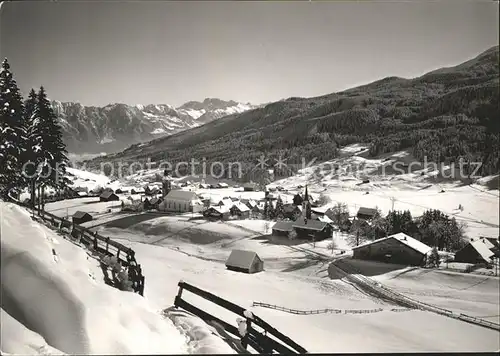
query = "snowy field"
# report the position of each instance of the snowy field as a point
(72, 281)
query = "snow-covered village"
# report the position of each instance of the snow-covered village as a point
(363, 221)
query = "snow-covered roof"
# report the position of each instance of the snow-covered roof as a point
(487, 243)
(221, 209)
(283, 226)
(403, 238)
(241, 207)
(241, 258)
(222, 184)
(325, 219)
(482, 249)
(183, 195)
(310, 225)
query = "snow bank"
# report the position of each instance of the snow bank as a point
(15, 338)
(64, 300)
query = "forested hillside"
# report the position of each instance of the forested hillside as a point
(444, 115)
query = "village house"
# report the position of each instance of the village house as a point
(291, 211)
(312, 229)
(107, 196)
(476, 251)
(204, 186)
(137, 191)
(398, 249)
(282, 228)
(366, 213)
(222, 185)
(240, 210)
(181, 201)
(217, 212)
(244, 261)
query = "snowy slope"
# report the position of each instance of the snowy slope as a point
(64, 300)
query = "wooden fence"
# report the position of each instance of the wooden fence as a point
(98, 243)
(377, 288)
(324, 311)
(260, 340)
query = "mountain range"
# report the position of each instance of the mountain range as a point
(442, 115)
(89, 129)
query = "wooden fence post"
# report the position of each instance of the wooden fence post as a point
(107, 244)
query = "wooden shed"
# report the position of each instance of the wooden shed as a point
(81, 217)
(244, 261)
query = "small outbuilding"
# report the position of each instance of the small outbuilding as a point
(475, 252)
(81, 217)
(108, 195)
(244, 261)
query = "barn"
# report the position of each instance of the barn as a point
(475, 252)
(366, 213)
(244, 261)
(282, 228)
(179, 201)
(312, 229)
(398, 249)
(108, 196)
(81, 217)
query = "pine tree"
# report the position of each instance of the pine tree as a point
(53, 148)
(12, 135)
(33, 153)
(279, 211)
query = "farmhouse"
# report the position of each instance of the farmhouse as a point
(312, 229)
(204, 186)
(108, 196)
(475, 251)
(366, 213)
(222, 185)
(218, 212)
(282, 228)
(241, 210)
(225, 202)
(81, 217)
(398, 248)
(179, 201)
(244, 261)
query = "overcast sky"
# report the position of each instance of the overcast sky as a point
(158, 52)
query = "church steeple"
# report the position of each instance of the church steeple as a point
(306, 207)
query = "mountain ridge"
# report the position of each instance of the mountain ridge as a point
(113, 127)
(444, 114)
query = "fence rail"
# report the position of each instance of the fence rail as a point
(327, 310)
(357, 278)
(98, 243)
(261, 341)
